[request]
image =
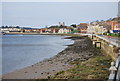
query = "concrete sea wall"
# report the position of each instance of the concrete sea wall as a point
(106, 47)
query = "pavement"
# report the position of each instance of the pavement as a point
(113, 40)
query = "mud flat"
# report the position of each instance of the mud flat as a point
(81, 50)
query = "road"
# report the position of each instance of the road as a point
(113, 40)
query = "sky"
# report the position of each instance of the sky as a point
(59, 0)
(41, 14)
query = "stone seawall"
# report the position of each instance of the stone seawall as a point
(110, 50)
(106, 47)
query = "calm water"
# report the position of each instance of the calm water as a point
(19, 51)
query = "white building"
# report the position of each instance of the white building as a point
(64, 30)
(10, 29)
(96, 29)
(117, 26)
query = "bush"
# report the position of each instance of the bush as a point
(75, 31)
(104, 33)
(114, 34)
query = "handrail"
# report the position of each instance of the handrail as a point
(116, 75)
(112, 42)
(115, 68)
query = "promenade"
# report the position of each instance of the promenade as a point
(78, 52)
(113, 40)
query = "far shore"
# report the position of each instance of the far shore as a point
(32, 33)
(81, 50)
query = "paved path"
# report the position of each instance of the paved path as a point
(113, 40)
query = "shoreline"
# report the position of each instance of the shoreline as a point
(16, 33)
(80, 50)
(61, 34)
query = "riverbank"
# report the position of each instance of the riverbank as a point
(27, 33)
(80, 51)
(61, 34)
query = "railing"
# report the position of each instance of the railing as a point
(109, 40)
(115, 70)
(115, 66)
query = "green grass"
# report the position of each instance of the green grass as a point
(94, 68)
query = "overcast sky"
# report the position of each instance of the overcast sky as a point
(60, 0)
(40, 14)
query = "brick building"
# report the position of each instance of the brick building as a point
(82, 27)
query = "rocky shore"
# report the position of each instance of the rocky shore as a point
(81, 50)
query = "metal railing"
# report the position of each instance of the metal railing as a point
(115, 66)
(115, 70)
(110, 40)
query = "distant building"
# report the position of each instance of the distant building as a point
(64, 30)
(61, 23)
(35, 30)
(113, 23)
(26, 29)
(117, 26)
(108, 22)
(82, 27)
(40, 30)
(44, 30)
(54, 30)
(10, 29)
(98, 28)
(91, 29)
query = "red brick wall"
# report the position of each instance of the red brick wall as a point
(113, 24)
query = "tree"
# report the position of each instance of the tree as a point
(110, 19)
(75, 31)
(17, 27)
(2, 26)
(97, 21)
(108, 31)
(73, 25)
(53, 27)
(6, 26)
(102, 20)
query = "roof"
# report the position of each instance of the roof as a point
(26, 28)
(83, 23)
(108, 27)
(117, 25)
(82, 26)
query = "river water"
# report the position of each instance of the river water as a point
(19, 51)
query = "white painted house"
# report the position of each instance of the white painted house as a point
(64, 30)
(10, 29)
(96, 29)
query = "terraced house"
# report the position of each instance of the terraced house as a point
(82, 28)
